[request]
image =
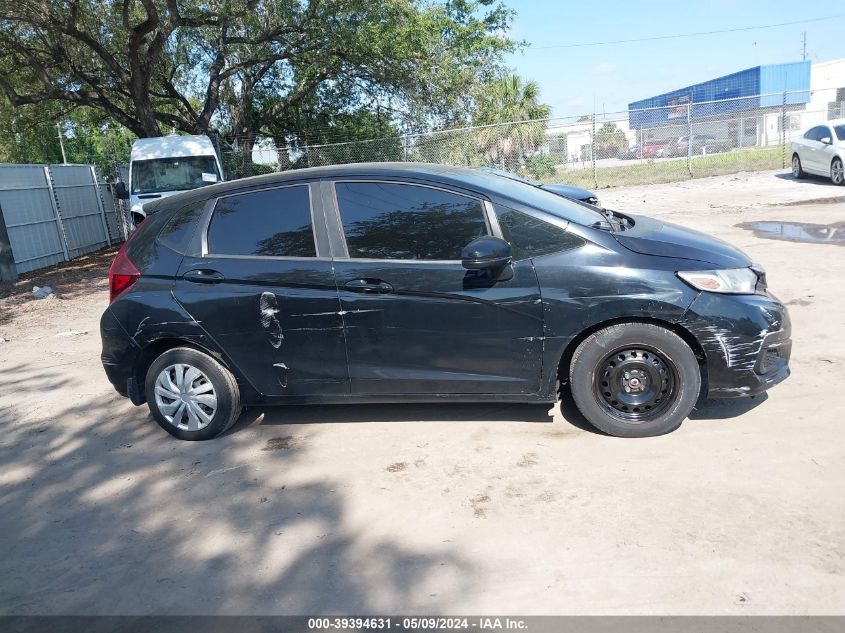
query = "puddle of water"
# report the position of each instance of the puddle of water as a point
(798, 231)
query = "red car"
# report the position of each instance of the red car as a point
(651, 149)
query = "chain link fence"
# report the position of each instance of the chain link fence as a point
(650, 145)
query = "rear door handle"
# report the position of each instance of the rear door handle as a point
(204, 276)
(368, 286)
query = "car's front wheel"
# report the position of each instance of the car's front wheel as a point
(634, 379)
(837, 175)
(191, 395)
(797, 170)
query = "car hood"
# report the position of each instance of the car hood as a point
(145, 202)
(568, 191)
(654, 237)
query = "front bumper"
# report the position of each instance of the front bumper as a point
(746, 342)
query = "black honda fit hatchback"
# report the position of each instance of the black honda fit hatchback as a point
(419, 283)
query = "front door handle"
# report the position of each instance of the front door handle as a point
(204, 276)
(368, 286)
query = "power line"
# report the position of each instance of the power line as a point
(680, 35)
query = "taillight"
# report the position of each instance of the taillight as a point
(122, 274)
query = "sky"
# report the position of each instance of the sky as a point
(572, 79)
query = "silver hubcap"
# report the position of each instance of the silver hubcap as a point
(185, 397)
(836, 172)
(796, 166)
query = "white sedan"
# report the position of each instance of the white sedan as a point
(821, 151)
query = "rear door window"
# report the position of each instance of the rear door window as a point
(268, 223)
(384, 220)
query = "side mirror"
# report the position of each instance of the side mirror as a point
(486, 253)
(121, 191)
(826, 140)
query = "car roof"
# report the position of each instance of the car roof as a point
(461, 177)
(171, 147)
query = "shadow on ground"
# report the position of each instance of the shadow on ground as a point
(809, 179)
(104, 514)
(363, 413)
(542, 413)
(725, 408)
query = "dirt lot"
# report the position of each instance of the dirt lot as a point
(433, 509)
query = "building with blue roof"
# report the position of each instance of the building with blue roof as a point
(749, 89)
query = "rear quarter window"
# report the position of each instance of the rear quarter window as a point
(139, 247)
(177, 233)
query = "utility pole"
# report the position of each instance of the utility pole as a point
(804, 48)
(61, 142)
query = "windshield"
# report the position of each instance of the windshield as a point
(178, 173)
(564, 208)
(840, 132)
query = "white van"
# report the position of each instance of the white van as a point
(164, 165)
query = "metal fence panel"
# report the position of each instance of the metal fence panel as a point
(56, 212)
(31, 222)
(116, 217)
(78, 203)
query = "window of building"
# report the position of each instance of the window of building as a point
(269, 223)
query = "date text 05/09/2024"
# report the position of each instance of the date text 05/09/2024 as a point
(417, 623)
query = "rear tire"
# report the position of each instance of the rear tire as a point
(191, 395)
(837, 176)
(797, 170)
(635, 380)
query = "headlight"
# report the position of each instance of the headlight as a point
(736, 281)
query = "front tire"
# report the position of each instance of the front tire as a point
(797, 170)
(635, 380)
(837, 175)
(191, 395)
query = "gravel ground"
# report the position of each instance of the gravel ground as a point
(440, 509)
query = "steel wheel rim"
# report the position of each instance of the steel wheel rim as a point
(836, 172)
(796, 166)
(185, 397)
(635, 384)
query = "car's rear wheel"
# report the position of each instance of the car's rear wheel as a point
(797, 171)
(191, 395)
(837, 175)
(635, 380)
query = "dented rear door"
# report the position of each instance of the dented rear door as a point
(262, 286)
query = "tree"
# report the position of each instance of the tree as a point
(247, 67)
(513, 114)
(89, 136)
(609, 140)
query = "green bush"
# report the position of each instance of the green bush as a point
(540, 166)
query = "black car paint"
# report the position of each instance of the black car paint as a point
(567, 191)
(571, 192)
(292, 331)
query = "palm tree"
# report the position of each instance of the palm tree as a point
(511, 107)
